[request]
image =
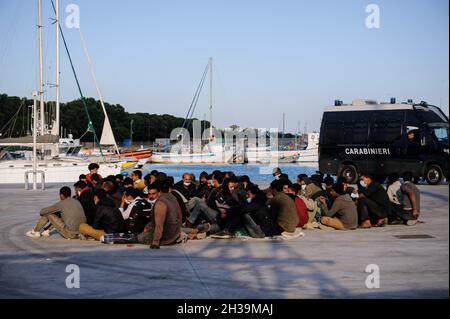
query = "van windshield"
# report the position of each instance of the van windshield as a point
(441, 133)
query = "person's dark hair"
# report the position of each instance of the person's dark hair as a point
(82, 176)
(338, 187)
(100, 193)
(154, 185)
(147, 179)
(108, 186)
(277, 185)
(130, 191)
(225, 184)
(284, 181)
(203, 174)
(171, 181)
(230, 174)
(119, 177)
(161, 176)
(244, 179)
(301, 176)
(392, 178)
(154, 172)
(317, 179)
(328, 180)
(295, 188)
(138, 173)
(209, 177)
(93, 166)
(65, 191)
(95, 178)
(367, 175)
(80, 184)
(408, 177)
(219, 177)
(216, 172)
(164, 185)
(127, 181)
(254, 189)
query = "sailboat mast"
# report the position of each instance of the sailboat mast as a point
(210, 97)
(57, 69)
(41, 74)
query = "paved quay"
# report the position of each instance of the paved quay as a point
(322, 264)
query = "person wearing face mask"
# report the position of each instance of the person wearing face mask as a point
(153, 194)
(373, 203)
(277, 174)
(107, 218)
(186, 186)
(308, 188)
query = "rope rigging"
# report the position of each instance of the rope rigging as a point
(83, 100)
(194, 101)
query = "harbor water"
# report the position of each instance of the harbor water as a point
(256, 173)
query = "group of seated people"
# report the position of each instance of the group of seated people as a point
(154, 210)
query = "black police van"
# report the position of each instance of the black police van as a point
(384, 138)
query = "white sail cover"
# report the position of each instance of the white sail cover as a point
(107, 134)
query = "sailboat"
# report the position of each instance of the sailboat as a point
(50, 167)
(212, 152)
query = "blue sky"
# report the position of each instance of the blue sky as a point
(270, 57)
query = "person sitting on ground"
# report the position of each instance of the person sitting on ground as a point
(129, 198)
(302, 210)
(256, 215)
(308, 188)
(395, 198)
(138, 183)
(202, 189)
(411, 200)
(71, 212)
(186, 186)
(317, 180)
(283, 210)
(373, 203)
(165, 225)
(217, 179)
(93, 169)
(343, 215)
(229, 217)
(85, 195)
(184, 204)
(107, 218)
(111, 190)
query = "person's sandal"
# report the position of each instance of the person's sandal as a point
(193, 234)
(381, 222)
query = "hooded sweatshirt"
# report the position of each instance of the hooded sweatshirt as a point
(345, 210)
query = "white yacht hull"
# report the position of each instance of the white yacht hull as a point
(13, 172)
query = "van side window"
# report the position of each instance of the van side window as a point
(360, 131)
(384, 132)
(333, 132)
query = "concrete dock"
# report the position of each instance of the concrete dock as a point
(322, 264)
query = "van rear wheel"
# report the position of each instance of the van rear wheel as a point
(433, 174)
(349, 173)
